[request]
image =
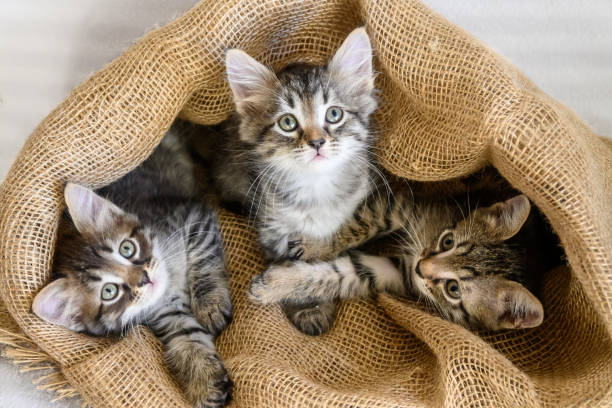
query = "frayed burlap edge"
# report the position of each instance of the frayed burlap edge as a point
(29, 358)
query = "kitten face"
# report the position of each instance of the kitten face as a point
(472, 275)
(306, 118)
(110, 268)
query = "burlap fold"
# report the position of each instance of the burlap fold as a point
(448, 106)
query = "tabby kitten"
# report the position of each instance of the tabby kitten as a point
(473, 269)
(144, 250)
(296, 153)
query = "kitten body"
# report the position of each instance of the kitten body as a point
(296, 154)
(473, 267)
(144, 250)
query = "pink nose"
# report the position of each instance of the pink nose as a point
(426, 269)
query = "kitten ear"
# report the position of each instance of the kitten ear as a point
(89, 212)
(245, 75)
(505, 219)
(517, 308)
(55, 304)
(353, 60)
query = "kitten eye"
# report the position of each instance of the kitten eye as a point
(127, 249)
(447, 242)
(109, 291)
(288, 122)
(452, 288)
(334, 114)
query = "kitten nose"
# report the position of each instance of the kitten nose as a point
(145, 279)
(316, 143)
(425, 269)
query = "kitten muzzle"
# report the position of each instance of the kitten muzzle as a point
(145, 279)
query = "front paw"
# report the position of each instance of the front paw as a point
(214, 311)
(272, 286)
(211, 390)
(259, 292)
(313, 318)
(295, 250)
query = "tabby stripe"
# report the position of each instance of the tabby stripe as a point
(361, 222)
(261, 135)
(472, 270)
(466, 315)
(470, 249)
(100, 310)
(184, 332)
(172, 313)
(135, 231)
(362, 271)
(90, 276)
(389, 213)
(203, 287)
(142, 261)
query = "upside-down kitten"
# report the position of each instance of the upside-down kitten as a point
(143, 250)
(296, 153)
(475, 268)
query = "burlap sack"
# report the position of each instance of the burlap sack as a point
(449, 105)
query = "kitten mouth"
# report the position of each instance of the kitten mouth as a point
(318, 157)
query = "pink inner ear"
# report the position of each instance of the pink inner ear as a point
(245, 74)
(521, 309)
(51, 308)
(51, 302)
(355, 54)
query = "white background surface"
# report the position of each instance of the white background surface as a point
(47, 48)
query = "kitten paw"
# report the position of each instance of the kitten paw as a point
(214, 311)
(312, 319)
(200, 372)
(278, 282)
(294, 250)
(216, 392)
(259, 292)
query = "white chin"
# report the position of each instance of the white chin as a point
(157, 288)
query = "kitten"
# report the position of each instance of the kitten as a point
(474, 269)
(296, 153)
(144, 250)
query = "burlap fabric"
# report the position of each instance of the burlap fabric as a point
(448, 106)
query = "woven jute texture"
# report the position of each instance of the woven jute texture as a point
(448, 107)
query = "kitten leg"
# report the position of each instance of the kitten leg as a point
(308, 291)
(275, 242)
(208, 286)
(377, 217)
(352, 275)
(192, 359)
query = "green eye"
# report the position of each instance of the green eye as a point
(447, 242)
(127, 249)
(109, 291)
(452, 288)
(288, 122)
(334, 114)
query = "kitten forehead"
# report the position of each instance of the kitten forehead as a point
(308, 110)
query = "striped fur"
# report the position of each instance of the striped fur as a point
(175, 283)
(306, 181)
(486, 262)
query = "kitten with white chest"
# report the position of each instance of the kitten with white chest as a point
(296, 153)
(145, 250)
